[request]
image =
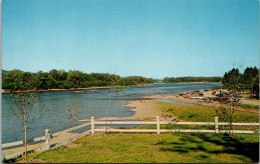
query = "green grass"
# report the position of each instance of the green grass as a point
(202, 113)
(249, 106)
(199, 114)
(154, 148)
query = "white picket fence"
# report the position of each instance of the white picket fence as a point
(158, 130)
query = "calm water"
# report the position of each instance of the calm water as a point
(90, 104)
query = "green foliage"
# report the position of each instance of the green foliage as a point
(59, 79)
(191, 79)
(73, 111)
(249, 80)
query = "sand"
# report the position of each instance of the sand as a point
(144, 110)
(207, 103)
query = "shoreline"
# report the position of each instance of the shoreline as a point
(216, 104)
(146, 109)
(5, 91)
(197, 82)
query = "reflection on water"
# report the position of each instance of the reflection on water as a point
(90, 102)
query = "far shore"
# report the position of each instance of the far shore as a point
(95, 87)
(72, 89)
(197, 82)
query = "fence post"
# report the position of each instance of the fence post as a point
(158, 124)
(216, 124)
(92, 124)
(47, 138)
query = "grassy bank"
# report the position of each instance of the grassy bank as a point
(202, 113)
(199, 114)
(153, 148)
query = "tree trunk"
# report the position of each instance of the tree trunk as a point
(25, 140)
(25, 128)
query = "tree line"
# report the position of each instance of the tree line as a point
(191, 79)
(248, 80)
(60, 79)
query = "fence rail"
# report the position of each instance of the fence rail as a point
(47, 136)
(158, 123)
(43, 138)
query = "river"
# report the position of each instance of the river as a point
(90, 103)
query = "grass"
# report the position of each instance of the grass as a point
(166, 147)
(202, 113)
(249, 106)
(245, 96)
(154, 148)
(199, 114)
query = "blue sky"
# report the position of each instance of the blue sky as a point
(151, 38)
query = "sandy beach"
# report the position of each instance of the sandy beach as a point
(144, 110)
(206, 103)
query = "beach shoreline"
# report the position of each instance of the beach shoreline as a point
(146, 109)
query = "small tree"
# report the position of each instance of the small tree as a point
(24, 102)
(227, 109)
(117, 91)
(73, 111)
(24, 99)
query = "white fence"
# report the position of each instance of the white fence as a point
(47, 139)
(158, 123)
(158, 130)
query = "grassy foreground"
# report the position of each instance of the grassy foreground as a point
(154, 148)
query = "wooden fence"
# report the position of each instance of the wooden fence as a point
(158, 130)
(47, 139)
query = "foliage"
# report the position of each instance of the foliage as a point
(24, 110)
(73, 111)
(154, 148)
(191, 79)
(59, 79)
(234, 80)
(249, 80)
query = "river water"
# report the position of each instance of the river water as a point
(90, 103)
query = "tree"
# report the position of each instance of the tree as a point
(75, 76)
(255, 87)
(227, 109)
(24, 102)
(73, 111)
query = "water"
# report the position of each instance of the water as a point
(90, 104)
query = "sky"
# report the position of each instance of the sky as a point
(150, 38)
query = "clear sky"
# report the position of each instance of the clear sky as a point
(150, 38)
